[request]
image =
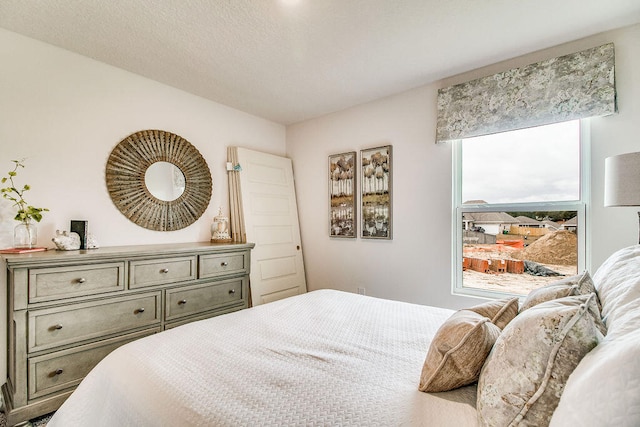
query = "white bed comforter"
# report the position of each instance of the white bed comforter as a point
(323, 358)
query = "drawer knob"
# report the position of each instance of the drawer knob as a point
(224, 263)
(164, 270)
(232, 291)
(81, 280)
(140, 310)
(56, 372)
(182, 302)
(56, 327)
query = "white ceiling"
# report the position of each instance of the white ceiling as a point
(291, 60)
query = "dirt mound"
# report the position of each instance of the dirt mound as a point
(559, 248)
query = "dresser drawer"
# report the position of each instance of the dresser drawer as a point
(78, 322)
(197, 299)
(161, 271)
(221, 264)
(47, 284)
(65, 369)
(207, 315)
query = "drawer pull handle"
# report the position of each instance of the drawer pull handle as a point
(182, 302)
(224, 263)
(82, 280)
(232, 291)
(164, 270)
(56, 372)
(56, 327)
(140, 310)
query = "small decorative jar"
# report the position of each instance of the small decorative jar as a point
(25, 235)
(220, 228)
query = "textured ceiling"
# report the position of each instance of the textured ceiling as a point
(291, 60)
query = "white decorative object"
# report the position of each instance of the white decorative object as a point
(220, 228)
(92, 242)
(66, 241)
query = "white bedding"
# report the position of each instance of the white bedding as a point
(322, 358)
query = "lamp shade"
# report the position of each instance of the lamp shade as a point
(622, 180)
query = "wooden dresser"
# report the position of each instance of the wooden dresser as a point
(66, 310)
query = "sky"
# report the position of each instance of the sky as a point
(529, 165)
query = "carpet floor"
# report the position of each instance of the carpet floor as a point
(36, 422)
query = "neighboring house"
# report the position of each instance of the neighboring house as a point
(491, 222)
(553, 226)
(570, 225)
(525, 221)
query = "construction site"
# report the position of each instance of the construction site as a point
(520, 261)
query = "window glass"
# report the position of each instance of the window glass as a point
(515, 252)
(539, 164)
(519, 209)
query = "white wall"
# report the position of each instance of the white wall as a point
(65, 113)
(416, 265)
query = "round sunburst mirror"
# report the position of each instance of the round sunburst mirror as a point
(158, 180)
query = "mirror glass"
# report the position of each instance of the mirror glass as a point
(165, 181)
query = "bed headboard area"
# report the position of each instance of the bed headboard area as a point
(569, 355)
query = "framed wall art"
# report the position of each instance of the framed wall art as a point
(342, 195)
(376, 221)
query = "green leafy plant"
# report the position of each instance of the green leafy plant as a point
(26, 212)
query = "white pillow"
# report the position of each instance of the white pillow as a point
(617, 282)
(604, 389)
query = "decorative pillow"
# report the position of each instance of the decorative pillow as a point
(523, 377)
(458, 351)
(618, 283)
(604, 389)
(590, 301)
(580, 284)
(500, 311)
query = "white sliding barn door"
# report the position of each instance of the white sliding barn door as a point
(271, 222)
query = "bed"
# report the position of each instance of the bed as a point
(322, 358)
(334, 358)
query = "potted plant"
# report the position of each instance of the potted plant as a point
(25, 234)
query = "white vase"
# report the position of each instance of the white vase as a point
(25, 235)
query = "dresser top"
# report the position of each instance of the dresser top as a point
(129, 252)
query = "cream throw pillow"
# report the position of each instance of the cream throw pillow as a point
(458, 351)
(523, 377)
(580, 284)
(500, 311)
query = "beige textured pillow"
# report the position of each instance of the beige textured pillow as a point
(523, 377)
(591, 301)
(580, 284)
(501, 311)
(458, 351)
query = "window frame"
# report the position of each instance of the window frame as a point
(581, 206)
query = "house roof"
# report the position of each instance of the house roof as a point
(489, 218)
(551, 224)
(291, 60)
(525, 220)
(573, 222)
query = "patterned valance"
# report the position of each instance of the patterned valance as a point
(569, 87)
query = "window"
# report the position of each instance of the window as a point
(519, 209)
